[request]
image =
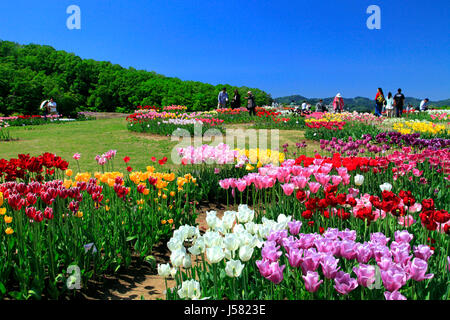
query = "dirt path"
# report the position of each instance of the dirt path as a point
(139, 281)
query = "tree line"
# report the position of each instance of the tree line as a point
(32, 73)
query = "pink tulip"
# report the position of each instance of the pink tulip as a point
(314, 186)
(77, 156)
(288, 188)
(312, 282)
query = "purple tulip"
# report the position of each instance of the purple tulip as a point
(418, 269)
(379, 238)
(294, 227)
(264, 267)
(270, 251)
(363, 253)
(393, 278)
(295, 257)
(423, 252)
(312, 282)
(365, 274)
(403, 236)
(344, 284)
(394, 296)
(276, 272)
(347, 249)
(329, 266)
(310, 260)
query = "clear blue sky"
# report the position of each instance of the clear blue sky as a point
(312, 48)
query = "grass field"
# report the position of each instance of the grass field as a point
(94, 137)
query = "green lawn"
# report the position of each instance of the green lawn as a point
(97, 136)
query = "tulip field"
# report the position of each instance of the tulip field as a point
(349, 207)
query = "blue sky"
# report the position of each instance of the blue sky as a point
(312, 48)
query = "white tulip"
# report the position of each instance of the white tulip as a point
(359, 179)
(215, 254)
(177, 258)
(211, 219)
(245, 214)
(245, 253)
(164, 270)
(386, 186)
(229, 217)
(234, 268)
(231, 242)
(187, 262)
(213, 239)
(174, 244)
(173, 272)
(190, 289)
(199, 247)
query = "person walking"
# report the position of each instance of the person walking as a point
(399, 100)
(251, 106)
(379, 102)
(338, 103)
(236, 102)
(222, 99)
(389, 105)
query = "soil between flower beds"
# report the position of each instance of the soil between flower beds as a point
(140, 280)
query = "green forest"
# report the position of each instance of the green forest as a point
(32, 73)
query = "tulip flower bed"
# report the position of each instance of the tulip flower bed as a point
(326, 130)
(166, 123)
(267, 119)
(229, 115)
(212, 164)
(371, 228)
(94, 223)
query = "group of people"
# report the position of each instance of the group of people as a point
(396, 102)
(236, 101)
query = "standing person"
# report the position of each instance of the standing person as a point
(338, 103)
(236, 102)
(390, 105)
(379, 102)
(304, 105)
(424, 105)
(320, 106)
(399, 100)
(222, 99)
(251, 106)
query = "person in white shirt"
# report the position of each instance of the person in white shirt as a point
(304, 105)
(390, 105)
(52, 107)
(424, 105)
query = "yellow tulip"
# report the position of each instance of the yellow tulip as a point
(8, 219)
(9, 231)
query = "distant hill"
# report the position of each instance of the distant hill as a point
(357, 103)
